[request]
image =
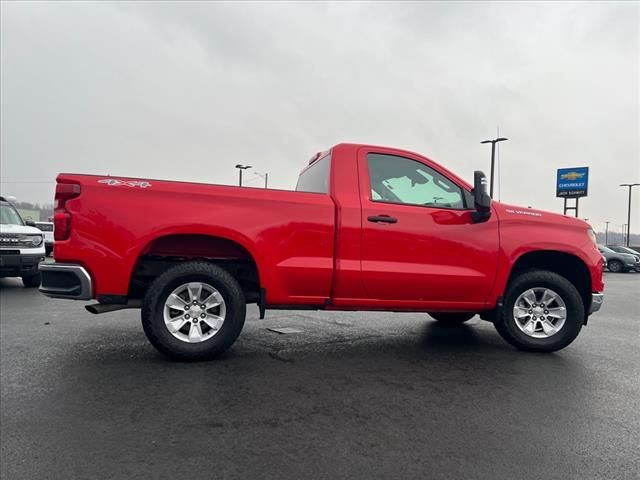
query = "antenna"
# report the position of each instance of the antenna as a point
(499, 163)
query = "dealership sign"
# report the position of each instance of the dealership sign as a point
(572, 182)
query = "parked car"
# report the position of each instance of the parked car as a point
(619, 262)
(368, 228)
(21, 246)
(47, 229)
(623, 249)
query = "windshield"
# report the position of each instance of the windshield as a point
(605, 249)
(9, 215)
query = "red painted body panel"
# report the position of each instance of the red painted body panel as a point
(316, 249)
(524, 230)
(290, 235)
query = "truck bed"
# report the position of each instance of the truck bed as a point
(119, 221)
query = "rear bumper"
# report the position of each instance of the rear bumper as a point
(597, 299)
(66, 280)
(19, 264)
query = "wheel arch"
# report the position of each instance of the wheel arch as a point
(165, 250)
(567, 265)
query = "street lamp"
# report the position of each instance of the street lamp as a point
(630, 185)
(606, 233)
(493, 156)
(240, 169)
(263, 175)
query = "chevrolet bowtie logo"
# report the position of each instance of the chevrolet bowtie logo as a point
(572, 175)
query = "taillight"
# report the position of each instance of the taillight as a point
(66, 191)
(62, 228)
(61, 217)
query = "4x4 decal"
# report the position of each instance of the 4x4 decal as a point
(128, 183)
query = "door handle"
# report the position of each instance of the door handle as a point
(382, 219)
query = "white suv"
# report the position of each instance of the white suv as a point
(21, 246)
(47, 229)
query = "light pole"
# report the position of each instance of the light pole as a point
(606, 233)
(265, 176)
(630, 185)
(493, 158)
(240, 169)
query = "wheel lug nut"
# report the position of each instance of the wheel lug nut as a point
(203, 316)
(195, 302)
(534, 317)
(186, 307)
(546, 312)
(203, 307)
(530, 311)
(187, 316)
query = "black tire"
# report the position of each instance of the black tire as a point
(161, 288)
(452, 318)
(615, 266)
(506, 324)
(32, 281)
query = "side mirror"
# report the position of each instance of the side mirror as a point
(30, 223)
(481, 199)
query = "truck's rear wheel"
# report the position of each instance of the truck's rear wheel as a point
(542, 312)
(193, 311)
(452, 318)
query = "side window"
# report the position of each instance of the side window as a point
(401, 180)
(315, 179)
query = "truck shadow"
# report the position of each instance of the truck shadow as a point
(256, 345)
(444, 337)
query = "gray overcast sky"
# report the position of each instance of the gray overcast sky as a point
(187, 90)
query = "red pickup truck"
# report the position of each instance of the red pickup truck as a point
(368, 228)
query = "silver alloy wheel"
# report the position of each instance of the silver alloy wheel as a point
(194, 312)
(540, 312)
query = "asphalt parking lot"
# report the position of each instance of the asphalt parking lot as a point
(354, 395)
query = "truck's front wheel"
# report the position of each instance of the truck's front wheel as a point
(542, 312)
(193, 311)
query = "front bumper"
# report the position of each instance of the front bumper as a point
(19, 264)
(597, 299)
(66, 280)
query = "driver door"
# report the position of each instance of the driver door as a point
(420, 248)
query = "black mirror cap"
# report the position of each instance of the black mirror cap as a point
(482, 200)
(30, 223)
